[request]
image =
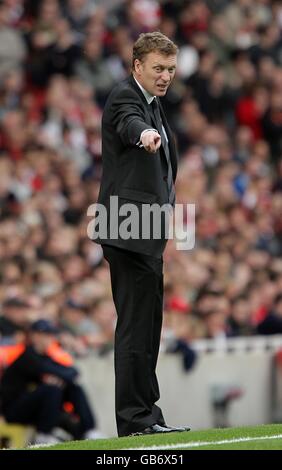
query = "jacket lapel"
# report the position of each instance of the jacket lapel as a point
(147, 107)
(172, 147)
(133, 83)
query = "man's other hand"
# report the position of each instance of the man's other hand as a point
(151, 141)
(50, 379)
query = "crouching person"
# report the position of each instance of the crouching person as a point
(35, 387)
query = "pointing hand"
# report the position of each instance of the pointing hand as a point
(151, 141)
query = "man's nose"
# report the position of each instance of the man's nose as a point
(165, 76)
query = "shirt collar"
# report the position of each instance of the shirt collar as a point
(148, 96)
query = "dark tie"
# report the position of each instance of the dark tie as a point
(170, 185)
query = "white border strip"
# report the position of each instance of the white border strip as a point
(191, 445)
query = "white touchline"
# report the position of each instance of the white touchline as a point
(187, 445)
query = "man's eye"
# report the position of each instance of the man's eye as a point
(158, 69)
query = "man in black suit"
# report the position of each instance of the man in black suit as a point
(139, 167)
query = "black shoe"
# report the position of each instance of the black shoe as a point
(177, 428)
(153, 429)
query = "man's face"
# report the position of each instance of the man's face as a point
(17, 315)
(41, 341)
(156, 72)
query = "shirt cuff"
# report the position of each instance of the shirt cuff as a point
(139, 143)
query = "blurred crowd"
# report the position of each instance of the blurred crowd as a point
(58, 62)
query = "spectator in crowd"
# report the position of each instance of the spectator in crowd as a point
(93, 69)
(13, 320)
(240, 321)
(12, 49)
(272, 323)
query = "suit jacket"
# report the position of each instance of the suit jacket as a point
(129, 171)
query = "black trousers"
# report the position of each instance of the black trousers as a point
(137, 287)
(43, 408)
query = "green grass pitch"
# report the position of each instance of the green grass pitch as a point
(263, 437)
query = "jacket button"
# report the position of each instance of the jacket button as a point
(165, 178)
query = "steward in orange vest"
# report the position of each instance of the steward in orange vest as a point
(38, 379)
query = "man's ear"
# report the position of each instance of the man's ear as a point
(137, 66)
